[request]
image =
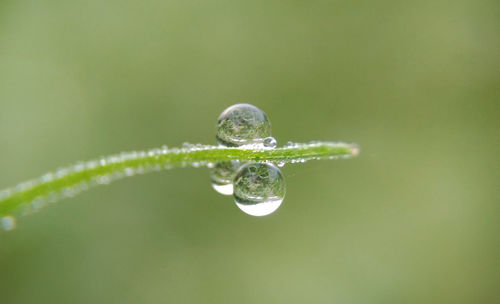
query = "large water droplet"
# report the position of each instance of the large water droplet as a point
(242, 124)
(222, 176)
(8, 222)
(259, 188)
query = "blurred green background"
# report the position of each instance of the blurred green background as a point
(414, 219)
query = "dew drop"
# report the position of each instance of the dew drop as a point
(37, 203)
(242, 124)
(270, 142)
(129, 171)
(8, 222)
(187, 145)
(259, 188)
(103, 180)
(5, 193)
(53, 197)
(224, 189)
(222, 176)
(354, 150)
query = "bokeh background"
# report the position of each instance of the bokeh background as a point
(413, 219)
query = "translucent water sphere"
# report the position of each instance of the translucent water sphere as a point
(259, 188)
(8, 222)
(270, 142)
(242, 124)
(222, 176)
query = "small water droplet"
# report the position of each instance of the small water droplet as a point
(259, 188)
(84, 186)
(281, 164)
(222, 176)
(79, 167)
(37, 203)
(8, 222)
(103, 180)
(53, 197)
(129, 171)
(67, 192)
(90, 165)
(242, 124)
(187, 145)
(61, 173)
(5, 193)
(270, 142)
(354, 150)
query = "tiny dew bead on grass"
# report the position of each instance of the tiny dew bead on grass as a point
(243, 164)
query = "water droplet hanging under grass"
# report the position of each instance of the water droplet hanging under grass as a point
(259, 188)
(222, 176)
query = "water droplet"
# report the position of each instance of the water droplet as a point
(259, 188)
(281, 164)
(8, 222)
(187, 145)
(354, 150)
(53, 197)
(37, 203)
(242, 124)
(5, 193)
(129, 171)
(79, 167)
(222, 176)
(270, 142)
(225, 189)
(103, 180)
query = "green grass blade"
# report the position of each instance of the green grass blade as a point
(67, 182)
